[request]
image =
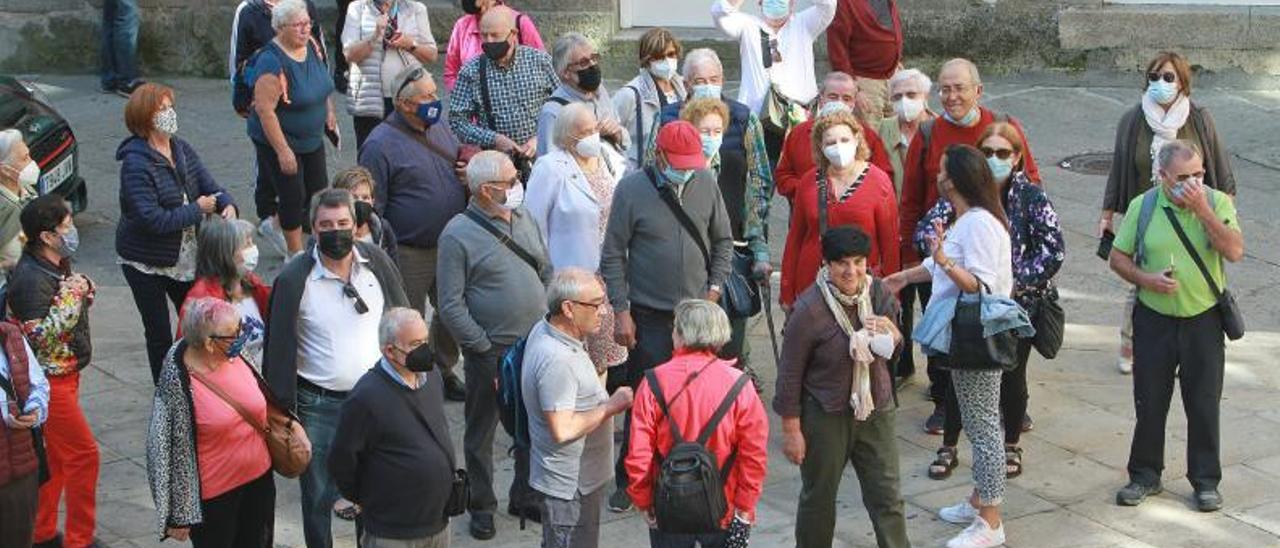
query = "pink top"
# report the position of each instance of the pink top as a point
(464, 43)
(230, 452)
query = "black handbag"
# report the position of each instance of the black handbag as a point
(1232, 318)
(741, 297)
(971, 351)
(1048, 318)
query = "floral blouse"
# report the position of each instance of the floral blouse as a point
(1036, 236)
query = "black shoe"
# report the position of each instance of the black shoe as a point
(526, 512)
(482, 526)
(126, 89)
(936, 421)
(1208, 501)
(455, 389)
(1134, 493)
(619, 502)
(55, 542)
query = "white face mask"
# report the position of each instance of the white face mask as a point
(832, 107)
(841, 155)
(882, 345)
(589, 146)
(515, 197)
(908, 109)
(663, 69)
(250, 256)
(30, 175)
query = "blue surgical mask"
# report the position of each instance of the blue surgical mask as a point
(968, 120)
(429, 112)
(1000, 169)
(677, 176)
(706, 91)
(775, 9)
(1162, 92)
(711, 145)
(70, 242)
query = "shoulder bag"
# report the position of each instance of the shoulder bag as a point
(1232, 318)
(287, 442)
(971, 351)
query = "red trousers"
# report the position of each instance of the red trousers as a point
(73, 466)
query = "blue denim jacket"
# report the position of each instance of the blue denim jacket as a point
(999, 314)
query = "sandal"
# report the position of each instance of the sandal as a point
(942, 466)
(346, 510)
(1012, 462)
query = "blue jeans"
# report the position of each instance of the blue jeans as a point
(119, 42)
(319, 416)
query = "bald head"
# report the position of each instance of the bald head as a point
(962, 69)
(498, 20)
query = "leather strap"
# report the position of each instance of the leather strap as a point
(505, 240)
(1195, 256)
(669, 198)
(244, 413)
(453, 465)
(426, 143)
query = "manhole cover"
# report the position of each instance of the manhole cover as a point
(1089, 163)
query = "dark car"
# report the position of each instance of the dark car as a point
(53, 145)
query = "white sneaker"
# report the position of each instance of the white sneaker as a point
(272, 236)
(978, 535)
(959, 514)
(1125, 365)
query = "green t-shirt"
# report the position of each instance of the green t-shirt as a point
(1164, 248)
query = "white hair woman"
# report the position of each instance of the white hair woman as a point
(18, 176)
(570, 194)
(909, 95)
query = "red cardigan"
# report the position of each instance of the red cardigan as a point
(858, 46)
(797, 157)
(209, 286)
(872, 208)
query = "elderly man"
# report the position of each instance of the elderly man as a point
(394, 421)
(413, 158)
(1175, 260)
(578, 65)
(651, 262)
(777, 59)
(322, 334)
(839, 93)
(865, 41)
(496, 100)
(569, 412)
(492, 269)
(962, 122)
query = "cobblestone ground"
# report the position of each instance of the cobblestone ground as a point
(1082, 406)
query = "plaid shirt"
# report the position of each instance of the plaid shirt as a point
(516, 93)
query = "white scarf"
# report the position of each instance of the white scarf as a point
(859, 340)
(1164, 125)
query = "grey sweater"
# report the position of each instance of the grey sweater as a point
(648, 258)
(488, 294)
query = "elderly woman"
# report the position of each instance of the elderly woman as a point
(465, 41)
(570, 194)
(165, 192)
(909, 95)
(1038, 252)
(973, 255)
(292, 112)
(19, 174)
(379, 39)
(658, 85)
(844, 189)
(686, 392)
(1165, 113)
(224, 270)
(835, 392)
(207, 459)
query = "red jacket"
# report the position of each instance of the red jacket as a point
(872, 208)
(745, 428)
(858, 45)
(797, 157)
(209, 286)
(920, 183)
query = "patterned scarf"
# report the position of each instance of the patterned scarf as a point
(859, 340)
(1164, 125)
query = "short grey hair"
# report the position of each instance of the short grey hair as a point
(920, 79)
(565, 46)
(562, 134)
(1176, 150)
(967, 64)
(835, 76)
(485, 167)
(285, 12)
(568, 284)
(700, 56)
(393, 322)
(702, 325)
(8, 138)
(201, 315)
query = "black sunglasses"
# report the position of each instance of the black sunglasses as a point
(1167, 76)
(414, 76)
(1001, 153)
(351, 293)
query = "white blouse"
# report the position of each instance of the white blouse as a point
(979, 243)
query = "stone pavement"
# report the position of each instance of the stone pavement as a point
(1083, 409)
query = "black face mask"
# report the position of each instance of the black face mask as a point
(336, 244)
(470, 7)
(364, 212)
(589, 78)
(420, 359)
(495, 51)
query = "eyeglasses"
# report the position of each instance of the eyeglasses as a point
(414, 76)
(351, 293)
(1167, 76)
(590, 61)
(593, 306)
(300, 25)
(226, 337)
(1001, 153)
(945, 91)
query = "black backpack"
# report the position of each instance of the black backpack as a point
(688, 496)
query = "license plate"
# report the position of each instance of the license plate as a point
(54, 177)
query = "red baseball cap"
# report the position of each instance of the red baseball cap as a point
(682, 145)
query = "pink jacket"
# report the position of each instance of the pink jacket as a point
(464, 43)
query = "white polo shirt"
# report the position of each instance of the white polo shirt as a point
(794, 75)
(336, 344)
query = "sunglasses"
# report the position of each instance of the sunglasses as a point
(351, 293)
(226, 337)
(1001, 153)
(1167, 76)
(413, 77)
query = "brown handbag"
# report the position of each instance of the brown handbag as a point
(287, 442)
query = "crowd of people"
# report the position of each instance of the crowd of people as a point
(590, 256)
